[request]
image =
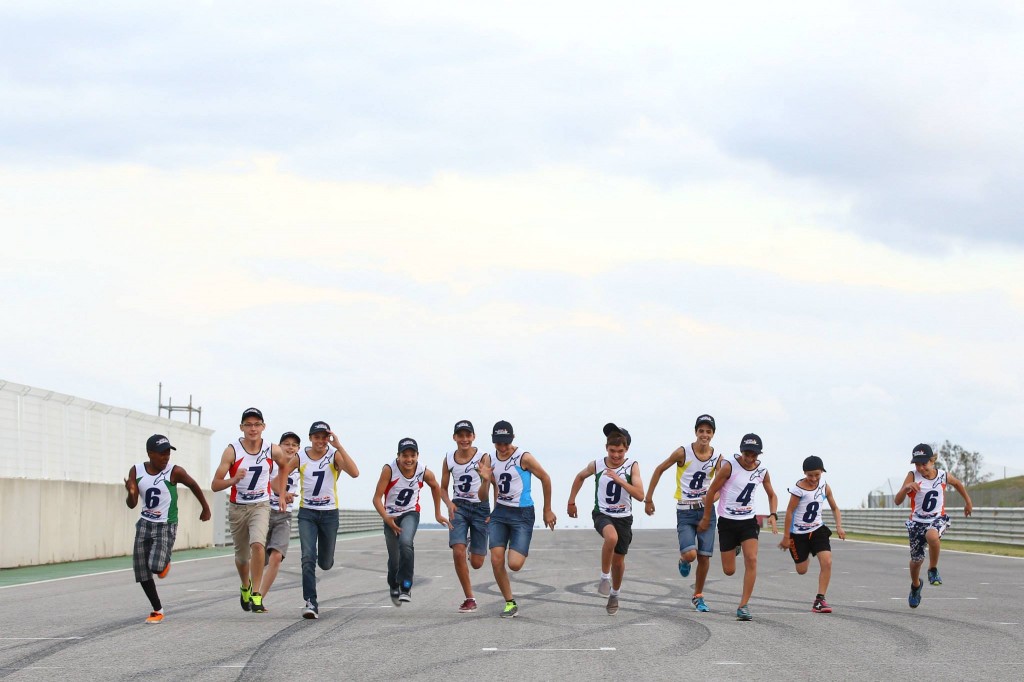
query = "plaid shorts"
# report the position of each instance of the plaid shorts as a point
(917, 530)
(153, 545)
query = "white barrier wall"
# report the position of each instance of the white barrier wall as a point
(63, 461)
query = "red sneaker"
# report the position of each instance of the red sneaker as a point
(821, 606)
(468, 606)
(163, 573)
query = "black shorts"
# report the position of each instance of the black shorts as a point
(807, 544)
(623, 526)
(732, 532)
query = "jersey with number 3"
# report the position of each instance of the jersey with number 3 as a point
(255, 486)
(929, 502)
(807, 515)
(465, 477)
(403, 494)
(512, 481)
(318, 480)
(737, 499)
(159, 496)
(609, 497)
(693, 477)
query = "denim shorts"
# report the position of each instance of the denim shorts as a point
(469, 526)
(686, 529)
(512, 527)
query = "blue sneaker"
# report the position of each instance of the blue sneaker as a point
(684, 568)
(933, 576)
(743, 613)
(915, 596)
(698, 603)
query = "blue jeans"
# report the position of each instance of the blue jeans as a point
(401, 556)
(318, 534)
(469, 526)
(512, 527)
(686, 529)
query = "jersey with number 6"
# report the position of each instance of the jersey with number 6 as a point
(930, 501)
(465, 477)
(403, 494)
(737, 499)
(609, 497)
(807, 515)
(318, 480)
(159, 496)
(255, 487)
(693, 477)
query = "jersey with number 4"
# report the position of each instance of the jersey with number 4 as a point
(929, 502)
(403, 494)
(159, 496)
(807, 515)
(318, 480)
(465, 477)
(737, 499)
(609, 497)
(255, 486)
(512, 481)
(693, 477)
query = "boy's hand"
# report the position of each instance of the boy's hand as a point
(485, 470)
(611, 473)
(703, 524)
(774, 525)
(204, 515)
(239, 475)
(390, 521)
(549, 519)
(451, 510)
(840, 532)
(571, 510)
(443, 521)
(912, 487)
(784, 542)
(649, 507)
(968, 509)
(332, 438)
(131, 485)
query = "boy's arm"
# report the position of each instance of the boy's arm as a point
(435, 492)
(531, 464)
(962, 489)
(179, 475)
(281, 481)
(794, 500)
(636, 488)
(724, 472)
(485, 483)
(378, 499)
(773, 503)
(342, 460)
(445, 479)
(132, 486)
(905, 489)
(835, 512)
(226, 460)
(677, 457)
(577, 483)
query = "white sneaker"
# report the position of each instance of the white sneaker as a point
(605, 587)
(311, 611)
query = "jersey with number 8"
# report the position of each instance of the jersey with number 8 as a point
(807, 515)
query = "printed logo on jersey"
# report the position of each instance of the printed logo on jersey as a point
(322, 464)
(409, 490)
(612, 507)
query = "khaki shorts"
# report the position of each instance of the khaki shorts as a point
(280, 533)
(249, 525)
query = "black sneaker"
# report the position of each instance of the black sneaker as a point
(404, 595)
(246, 597)
(396, 596)
(257, 603)
(312, 611)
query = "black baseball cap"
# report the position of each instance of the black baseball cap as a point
(408, 444)
(705, 419)
(289, 434)
(610, 428)
(751, 443)
(159, 443)
(252, 412)
(464, 425)
(922, 454)
(319, 427)
(502, 432)
(813, 463)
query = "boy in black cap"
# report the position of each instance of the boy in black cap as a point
(613, 510)
(926, 488)
(156, 483)
(696, 466)
(737, 480)
(805, 533)
(279, 533)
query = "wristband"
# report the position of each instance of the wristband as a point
(774, 516)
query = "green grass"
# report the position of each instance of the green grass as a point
(959, 545)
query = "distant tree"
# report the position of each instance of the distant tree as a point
(962, 463)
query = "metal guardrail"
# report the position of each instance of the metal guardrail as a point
(986, 524)
(349, 521)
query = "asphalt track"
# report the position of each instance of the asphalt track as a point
(91, 627)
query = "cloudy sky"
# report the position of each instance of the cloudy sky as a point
(801, 218)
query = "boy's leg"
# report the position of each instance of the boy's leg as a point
(478, 536)
(161, 536)
(259, 524)
(277, 547)
(274, 559)
(308, 547)
(705, 548)
(618, 570)
(611, 538)
(327, 538)
(825, 574)
(237, 518)
(409, 522)
(520, 537)
(458, 538)
(932, 537)
(149, 587)
(500, 574)
(749, 568)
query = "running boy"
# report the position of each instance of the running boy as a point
(613, 511)
(511, 527)
(156, 482)
(468, 507)
(805, 533)
(928, 519)
(279, 533)
(246, 467)
(696, 465)
(319, 466)
(397, 500)
(737, 480)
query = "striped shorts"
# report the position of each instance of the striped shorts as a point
(153, 545)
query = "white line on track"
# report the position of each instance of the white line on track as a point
(35, 638)
(930, 598)
(604, 648)
(728, 663)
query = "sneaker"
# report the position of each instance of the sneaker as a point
(155, 617)
(257, 603)
(312, 611)
(246, 598)
(604, 588)
(404, 595)
(743, 613)
(698, 603)
(933, 576)
(167, 569)
(468, 606)
(395, 594)
(821, 606)
(915, 596)
(684, 568)
(613, 605)
(510, 610)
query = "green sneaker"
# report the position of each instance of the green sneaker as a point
(246, 596)
(257, 603)
(511, 609)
